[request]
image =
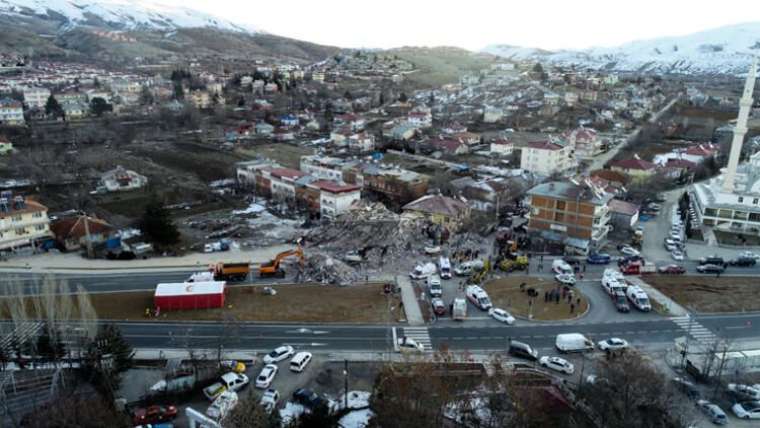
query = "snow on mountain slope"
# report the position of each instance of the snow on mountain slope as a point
(725, 50)
(120, 14)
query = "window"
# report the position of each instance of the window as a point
(21, 231)
(741, 199)
(754, 201)
(38, 214)
(16, 218)
(561, 205)
(40, 227)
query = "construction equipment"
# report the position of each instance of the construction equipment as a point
(272, 267)
(230, 271)
(638, 239)
(510, 265)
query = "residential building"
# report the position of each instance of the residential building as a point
(11, 112)
(585, 141)
(336, 198)
(282, 183)
(361, 142)
(395, 184)
(574, 214)
(420, 117)
(248, 172)
(349, 120)
(74, 233)
(265, 129)
(23, 222)
(120, 179)
(448, 146)
(492, 114)
(36, 97)
(625, 215)
(502, 147)
(75, 109)
(546, 158)
(325, 167)
(442, 210)
(638, 169)
(200, 99)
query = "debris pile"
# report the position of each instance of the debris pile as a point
(328, 270)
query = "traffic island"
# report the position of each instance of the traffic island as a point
(364, 303)
(707, 293)
(536, 298)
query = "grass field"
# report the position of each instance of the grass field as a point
(710, 294)
(441, 65)
(288, 155)
(293, 303)
(505, 293)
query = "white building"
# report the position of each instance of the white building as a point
(420, 117)
(36, 97)
(324, 167)
(11, 112)
(283, 183)
(120, 179)
(336, 198)
(492, 114)
(23, 222)
(502, 147)
(547, 157)
(585, 142)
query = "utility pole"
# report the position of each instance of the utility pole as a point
(345, 384)
(87, 236)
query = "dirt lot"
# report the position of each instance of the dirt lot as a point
(293, 303)
(288, 155)
(710, 294)
(505, 293)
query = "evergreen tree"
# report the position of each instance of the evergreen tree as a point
(98, 106)
(403, 98)
(108, 355)
(146, 96)
(49, 347)
(179, 93)
(158, 226)
(347, 95)
(53, 108)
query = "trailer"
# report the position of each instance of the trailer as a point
(230, 271)
(189, 295)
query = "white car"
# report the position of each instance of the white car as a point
(279, 354)
(501, 315)
(747, 410)
(750, 255)
(677, 255)
(269, 400)
(222, 405)
(613, 344)
(629, 251)
(407, 344)
(266, 376)
(744, 391)
(557, 364)
(565, 278)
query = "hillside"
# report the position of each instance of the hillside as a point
(440, 65)
(724, 50)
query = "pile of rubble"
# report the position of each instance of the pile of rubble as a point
(324, 269)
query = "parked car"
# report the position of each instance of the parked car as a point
(439, 307)
(710, 268)
(308, 398)
(522, 350)
(501, 315)
(743, 261)
(300, 361)
(227, 382)
(677, 255)
(621, 302)
(672, 269)
(565, 278)
(747, 410)
(153, 414)
(222, 405)
(746, 392)
(613, 344)
(269, 400)
(629, 251)
(749, 255)
(557, 364)
(687, 387)
(279, 354)
(266, 376)
(562, 267)
(712, 260)
(713, 412)
(598, 259)
(407, 344)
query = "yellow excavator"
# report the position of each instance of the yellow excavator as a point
(272, 267)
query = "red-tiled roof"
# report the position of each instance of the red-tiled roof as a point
(334, 187)
(544, 145)
(635, 164)
(623, 207)
(73, 227)
(609, 175)
(287, 173)
(701, 150)
(447, 145)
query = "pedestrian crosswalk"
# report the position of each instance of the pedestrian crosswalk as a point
(695, 329)
(420, 335)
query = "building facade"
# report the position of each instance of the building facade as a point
(23, 222)
(546, 158)
(11, 112)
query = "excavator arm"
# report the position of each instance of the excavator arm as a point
(272, 267)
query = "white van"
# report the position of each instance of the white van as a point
(478, 297)
(573, 342)
(444, 266)
(560, 266)
(300, 361)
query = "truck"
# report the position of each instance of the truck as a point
(230, 271)
(189, 295)
(230, 381)
(510, 265)
(459, 309)
(573, 342)
(423, 271)
(444, 266)
(638, 267)
(638, 298)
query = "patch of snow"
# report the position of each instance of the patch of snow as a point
(356, 419)
(290, 413)
(356, 400)
(254, 208)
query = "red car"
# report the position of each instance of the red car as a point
(672, 269)
(153, 414)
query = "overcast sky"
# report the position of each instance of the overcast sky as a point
(473, 24)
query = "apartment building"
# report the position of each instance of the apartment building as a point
(546, 158)
(336, 198)
(23, 222)
(576, 214)
(36, 97)
(11, 112)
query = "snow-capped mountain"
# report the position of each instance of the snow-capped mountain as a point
(724, 50)
(117, 14)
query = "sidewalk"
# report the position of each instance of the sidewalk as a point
(72, 262)
(409, 299)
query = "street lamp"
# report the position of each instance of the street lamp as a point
(345, 384)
